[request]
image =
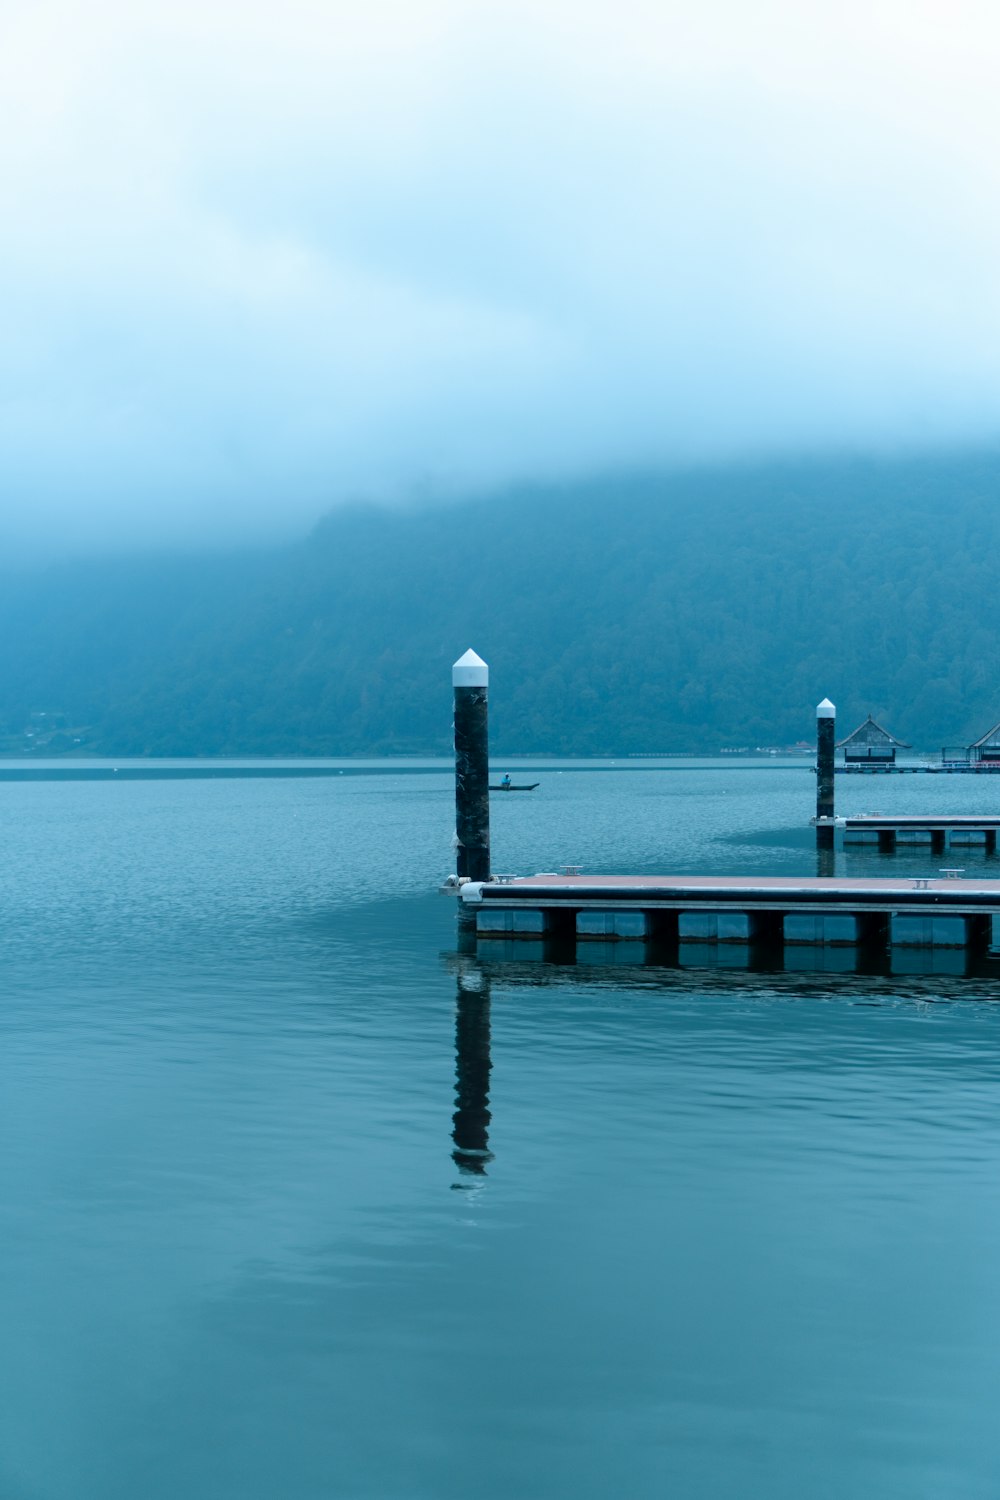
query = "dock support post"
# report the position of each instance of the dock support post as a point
(470, 678)
(825, 743)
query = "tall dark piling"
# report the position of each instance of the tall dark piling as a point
(470, 678)
(471, 1120)
(826, 719)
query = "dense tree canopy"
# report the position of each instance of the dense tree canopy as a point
(684, 612)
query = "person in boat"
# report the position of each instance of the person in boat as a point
(505, 781)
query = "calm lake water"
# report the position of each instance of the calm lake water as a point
(732, 1234)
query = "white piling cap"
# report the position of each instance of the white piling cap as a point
(825, 710)
(470, 671)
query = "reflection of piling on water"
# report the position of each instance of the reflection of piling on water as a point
(471, 1120)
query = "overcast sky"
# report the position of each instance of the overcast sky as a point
(259, 257)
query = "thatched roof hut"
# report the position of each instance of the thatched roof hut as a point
(988, 748)
(872, 744)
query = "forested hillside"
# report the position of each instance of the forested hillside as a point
(640, 614)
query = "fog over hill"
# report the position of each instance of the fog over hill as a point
(641, 613)
(266, 256)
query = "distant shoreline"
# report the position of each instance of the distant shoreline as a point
(234, 768)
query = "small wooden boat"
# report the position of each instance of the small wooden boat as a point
(511, 786)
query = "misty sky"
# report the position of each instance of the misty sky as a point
(258, 258)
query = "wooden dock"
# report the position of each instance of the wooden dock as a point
(811, 916)
(921, 912)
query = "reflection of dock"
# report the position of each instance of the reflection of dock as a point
(712, 910)
(690, 967)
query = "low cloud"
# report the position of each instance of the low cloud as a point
(259, 261)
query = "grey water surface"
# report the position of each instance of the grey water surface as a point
(711, 1234)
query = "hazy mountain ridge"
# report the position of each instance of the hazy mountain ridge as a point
(637, 614)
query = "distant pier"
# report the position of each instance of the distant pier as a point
(919, 768)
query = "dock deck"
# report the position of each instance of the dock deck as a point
(919, 912)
